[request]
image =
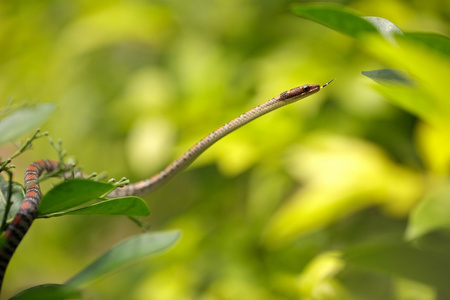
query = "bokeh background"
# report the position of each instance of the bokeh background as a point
(138, 82)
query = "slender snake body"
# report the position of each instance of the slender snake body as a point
(19, 226)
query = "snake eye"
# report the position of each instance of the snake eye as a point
(306, 88)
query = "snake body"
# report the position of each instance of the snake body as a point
(148, 185)
(19, 226)
(28, 210)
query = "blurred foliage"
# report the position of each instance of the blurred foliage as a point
(16, 124)
(310, 202)
(124, 253)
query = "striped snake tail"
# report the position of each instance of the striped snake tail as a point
(16, 230)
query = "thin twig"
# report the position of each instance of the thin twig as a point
(26, 146)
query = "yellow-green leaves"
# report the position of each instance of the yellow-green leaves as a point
(316, 280)
(433, 213)
(341, 176)
(423, 56)
(434, 147)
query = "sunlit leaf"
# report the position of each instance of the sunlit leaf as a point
(24, 120)
(430, 72)
(126, 252)
(318, 277)
(402, 260)
(331, 170)
(127, 206)
(413, 99)
(387, 29)
(336, 17)
(415, 53)
(48, 291)
(411, 289)
(430, 214)
(131, 19)
(434, 146)
(71, 194)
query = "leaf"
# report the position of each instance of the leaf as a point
(71, 194)
(435, 42)
(127, 206)
(430, 71)
(414, 52)
(48, 291)
(336, 17)
(126, 252)
(17, 197)
(387, 29)
(24, 120)
(319, 273)
(331, 169)
(434, 146)
(404, 261)
(389, 77)
(415, 100)
(346, 21)
(430, 214)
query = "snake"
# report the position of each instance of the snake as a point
(26, 214)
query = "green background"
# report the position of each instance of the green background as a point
(267, 212)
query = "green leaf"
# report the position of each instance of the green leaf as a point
(336, 17)
(127, 206)
(389, 77)
(17, 197)
(126, 252)
(71, 194)
(402, 260)
(48, 291)
(431, 214)
(24, 120)
(434, 42)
